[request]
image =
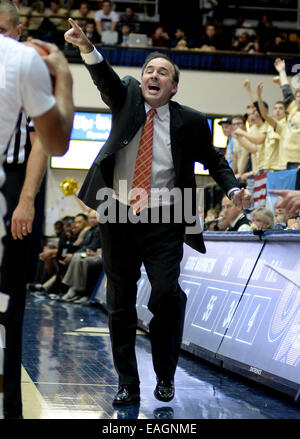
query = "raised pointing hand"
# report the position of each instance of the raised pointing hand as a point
(76, 36)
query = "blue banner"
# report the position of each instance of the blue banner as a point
(91, 126)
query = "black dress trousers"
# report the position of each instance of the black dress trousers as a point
(159, 247)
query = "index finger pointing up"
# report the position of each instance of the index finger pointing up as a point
(73, 24)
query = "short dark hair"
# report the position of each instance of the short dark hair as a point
(83, 215)
(154, 55)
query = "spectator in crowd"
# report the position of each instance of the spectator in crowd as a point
(241, 163)
(292, 104)
(83, 15)
(225, 123)
(266, 33)
(69, 243)
(280, 216)
(160, 38)
(58, 227)
(81, 226)
(262, 219)
(223, 224)
(280, 44)
(254, 139)
(249, 120)
(51, 254)
(274, 142)
(235, 216)
(124, 35)
(58, 16)
(35, 17)
(220, 224)
(246, 43)
(92, 268)
(209, 220)
(131, 18)
(91, 32)
(75, 276)
(106, 18)
(293, 223)
(242, 26)
(209, 40)
(181, 40)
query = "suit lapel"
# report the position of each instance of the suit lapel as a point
(177, 134)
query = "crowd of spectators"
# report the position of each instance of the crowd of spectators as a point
(70, 263)
(261, 143)
(105, 24)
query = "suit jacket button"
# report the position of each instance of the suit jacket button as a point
(125, 142)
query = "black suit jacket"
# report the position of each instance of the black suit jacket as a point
(190, 141)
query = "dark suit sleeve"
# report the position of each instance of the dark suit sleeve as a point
(112, 88)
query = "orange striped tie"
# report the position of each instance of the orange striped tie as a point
(143, 166)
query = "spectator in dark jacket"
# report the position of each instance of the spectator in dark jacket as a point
(210, 40)
(76, 275)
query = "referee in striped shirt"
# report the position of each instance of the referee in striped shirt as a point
(25, 167)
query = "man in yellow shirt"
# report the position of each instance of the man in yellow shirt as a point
(275, 159)
(240, 163)
(254, 139)
(292, 104)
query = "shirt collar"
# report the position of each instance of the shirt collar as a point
(237, 219)
(162, 112)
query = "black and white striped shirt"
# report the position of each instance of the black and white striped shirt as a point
(19, 145)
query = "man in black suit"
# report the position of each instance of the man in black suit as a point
(180, 137)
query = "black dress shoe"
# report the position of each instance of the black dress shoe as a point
(164, 390)
(127, 395)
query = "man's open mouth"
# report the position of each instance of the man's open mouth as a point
(153, 87)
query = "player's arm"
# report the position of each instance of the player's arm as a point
(23, 214)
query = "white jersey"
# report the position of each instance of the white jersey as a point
(24, 84)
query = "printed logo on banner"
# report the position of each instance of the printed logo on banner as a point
(246, 268)
(285, 322)
(237, 316)
(209, 308)
(190, 288)
(227, 266)
(253, 319)
(227, 314)
(260, 266)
